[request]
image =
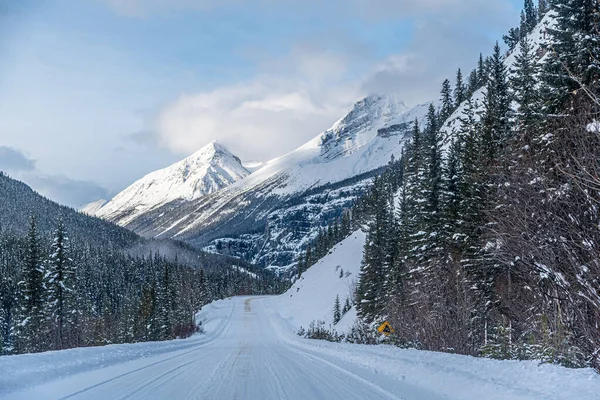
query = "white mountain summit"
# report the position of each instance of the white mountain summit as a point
(208, 170)
(268, 215)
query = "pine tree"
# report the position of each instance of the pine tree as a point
(60, 285)
(573, 61)
(300, 266)
(470, 183)
(524, 27)
(372, 288)
(482, 72)
(434, 146)
(459, 89)
(31, 327)
(447, 102)
(166, 303)
(512, 38)
(525, 87)
(497, 107)
(473, 84)
(531, 16)
(346, 225)
(347, 306)
(337, 311)
(416, 191)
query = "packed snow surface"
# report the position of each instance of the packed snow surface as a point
(208, 170)
(249, 351)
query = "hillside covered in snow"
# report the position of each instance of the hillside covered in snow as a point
(270, 215)
(208, 170)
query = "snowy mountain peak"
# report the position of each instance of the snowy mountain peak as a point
(208, 170)
(210, 151)
(372, 116)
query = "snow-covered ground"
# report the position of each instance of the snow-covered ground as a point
(250, 351)
(312, 297)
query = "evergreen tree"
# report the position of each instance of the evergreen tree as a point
(337, 311)
(308, 262)
(60, 285)
(482, 72)
(372, 288)
(473, 83)
(31, 327)
(512, 38)
(497, 107)
(526, 93)
(434, 146)
(347, 306)
(447, 102)
(459, 89)
(415, 192)
(573, 61)
(524, 27)
(531, 16)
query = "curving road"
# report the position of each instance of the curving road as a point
(250, 358)
(250, 352)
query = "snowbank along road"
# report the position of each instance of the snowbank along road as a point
(250, 352)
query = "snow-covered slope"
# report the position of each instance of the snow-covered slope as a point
(93, 207)
(363, 140)
(312, 297)
(208, 170)
(270, 215)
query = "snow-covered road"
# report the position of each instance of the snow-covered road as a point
(249, 352)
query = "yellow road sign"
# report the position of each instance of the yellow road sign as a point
(386, 328)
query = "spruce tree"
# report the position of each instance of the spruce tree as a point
(347, 306)
(337, 311)
(372, 288)
(531, 16)
(60, 285)
(459, 89)
(512, 38)
(434, 145)
(497, 106)
(416, 191)
(447, 102)
(308, 259)
(482, 73)
(524, 27)
(573, 62)
(524, 84)
(473, 84)
(31, 327)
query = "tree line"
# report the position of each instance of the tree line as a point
(485, 241)
(55, 294)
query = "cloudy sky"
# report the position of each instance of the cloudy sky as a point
(96, 93)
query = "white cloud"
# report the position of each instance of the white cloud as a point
(295, 97)
(435, 52)
(258, 120)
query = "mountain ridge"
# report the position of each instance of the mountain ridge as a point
(270, 215)
(209, 169)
